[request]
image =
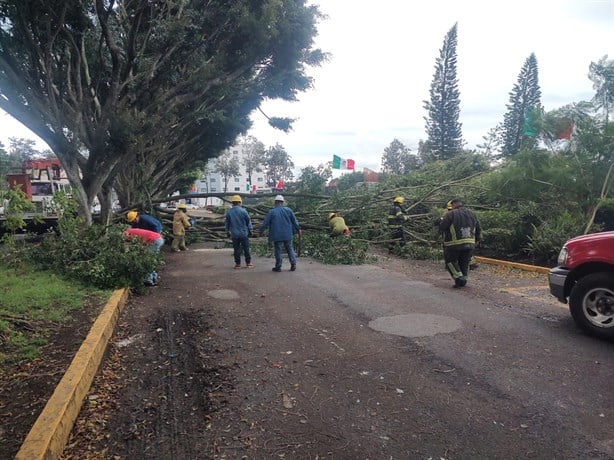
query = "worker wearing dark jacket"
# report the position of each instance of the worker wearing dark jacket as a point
(144, 221)
(396, 219)
(461, 231)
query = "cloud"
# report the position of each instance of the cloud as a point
(382, 65)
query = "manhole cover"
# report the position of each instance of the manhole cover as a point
(415, 324)
(227, 294)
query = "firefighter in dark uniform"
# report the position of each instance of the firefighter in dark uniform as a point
(473, 263)
(396, 220)
(461, 231)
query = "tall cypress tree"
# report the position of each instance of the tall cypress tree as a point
(442, 126)
(520, 120)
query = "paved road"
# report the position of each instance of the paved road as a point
(358, 362)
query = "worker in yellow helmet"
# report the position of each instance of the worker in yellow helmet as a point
(239, 228)
(337, 225)
(397, 217)
(461, 231)
(473, 263)
(180, 223)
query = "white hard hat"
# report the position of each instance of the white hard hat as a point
(279, 198)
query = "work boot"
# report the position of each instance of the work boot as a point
(293, 267)
(276, 269)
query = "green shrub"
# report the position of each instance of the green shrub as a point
(417, 251)
(546, 239)
(322, 247)
(96, 255)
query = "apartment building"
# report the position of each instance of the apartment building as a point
(213, 182)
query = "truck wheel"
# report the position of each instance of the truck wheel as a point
(592, 304)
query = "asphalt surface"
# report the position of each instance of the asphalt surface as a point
(384, 360)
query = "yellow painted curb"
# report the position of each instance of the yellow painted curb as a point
(531, 268)
(48, 436)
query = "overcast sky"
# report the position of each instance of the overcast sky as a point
(382, 63)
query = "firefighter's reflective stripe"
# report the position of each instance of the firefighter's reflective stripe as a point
(455, 273)
(455, 241)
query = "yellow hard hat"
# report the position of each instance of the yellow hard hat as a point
(449, 205)
(331, 215)
(236, 199)
(182, 206)
(131, 216)
(399, 199)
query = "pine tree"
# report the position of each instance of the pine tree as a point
(442, 126)
(520, 121)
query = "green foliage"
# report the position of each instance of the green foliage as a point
(348, 181)
(521, 121)
(96, 255)
(547, 238)
(312, 179)
(9, 162)
(29, 301)
(16, 204)
(601, 73)
(322, 247)
(337, 250)
(277, 165)
(442, 125)
(502, 231)
(397, 159)
(417, 251)
(227, 166)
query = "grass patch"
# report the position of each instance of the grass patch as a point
(31, 303)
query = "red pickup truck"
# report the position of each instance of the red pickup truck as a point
(585, 275)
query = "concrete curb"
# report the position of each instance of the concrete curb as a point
(503, 263)
(49, 434)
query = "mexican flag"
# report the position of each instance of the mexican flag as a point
(342, 163)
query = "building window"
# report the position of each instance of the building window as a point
(213, 179)
(237, 179)
(237, 189)
(235, 152)
(202, 190)
(213, 189)
(260, 179)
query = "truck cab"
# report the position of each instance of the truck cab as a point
(40, 180)
(584, 277)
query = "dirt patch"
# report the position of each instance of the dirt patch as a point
(25, 387)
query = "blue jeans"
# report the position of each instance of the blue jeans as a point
(237, 245)
(287, 245)
(155, 246)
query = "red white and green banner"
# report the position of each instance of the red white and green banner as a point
(342, 163)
